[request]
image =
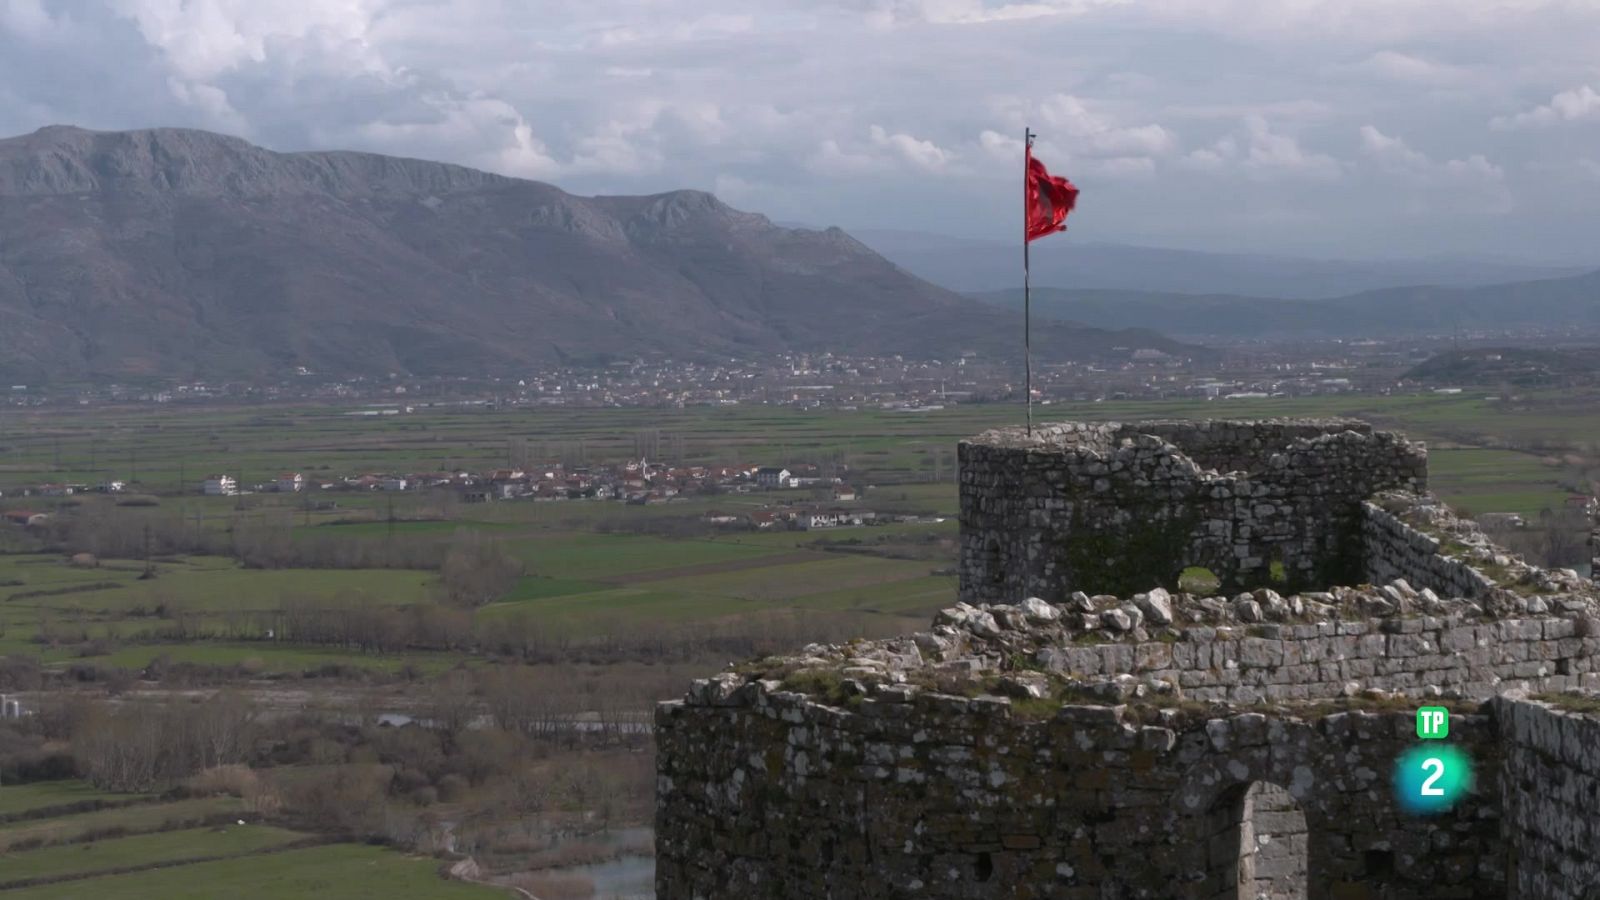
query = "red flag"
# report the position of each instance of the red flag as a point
(1046, 200)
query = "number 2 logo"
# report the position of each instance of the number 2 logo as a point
(1436, 765)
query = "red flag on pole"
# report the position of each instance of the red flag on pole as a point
(1047, 201)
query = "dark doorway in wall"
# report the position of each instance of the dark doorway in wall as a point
(1258, 845)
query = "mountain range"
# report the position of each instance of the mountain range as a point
(1542, 305)
(175, 253)
(965, 264)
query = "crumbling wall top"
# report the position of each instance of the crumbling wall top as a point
(1221, 444)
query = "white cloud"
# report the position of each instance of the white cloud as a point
(29, 19)
(481, 131)
(205, 38)
(702, 28)
(1210, 158)
(924, 154)
(794, 104)
(1122, 167)
(1094, 134)
(1390, 152)
(1422, 186)
(1303, 110)
(1269, 151)
(1582, 102)
(1367, 23)
(832, 159)
(1396, 156)
(212, 102)
(1258, 151)
(886, 13)
(883, 151)
(1393, 65)
(999, 146)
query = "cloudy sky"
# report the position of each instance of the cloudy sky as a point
(1330, 127)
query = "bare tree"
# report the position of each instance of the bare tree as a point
(477, 570)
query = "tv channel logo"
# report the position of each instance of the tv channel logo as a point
(1431, 778)
(1433, 723)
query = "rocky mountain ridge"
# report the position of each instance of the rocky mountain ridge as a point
(180, 253)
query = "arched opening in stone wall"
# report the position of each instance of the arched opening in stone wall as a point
(1258, 845)
(995, 572)
(1277, 568)
(1199, 580)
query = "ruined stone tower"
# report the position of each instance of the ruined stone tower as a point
(1076, 727)
(1112, 508)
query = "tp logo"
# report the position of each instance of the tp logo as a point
(1433, 723)
(1432, 778)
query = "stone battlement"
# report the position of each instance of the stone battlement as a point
(1078, 727)
(1118, 508)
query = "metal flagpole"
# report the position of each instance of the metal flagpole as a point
(1027, 296)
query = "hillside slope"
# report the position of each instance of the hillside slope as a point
(1541, 305)
(178, 253)
(965, 264)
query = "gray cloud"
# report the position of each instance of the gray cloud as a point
(1335, 127)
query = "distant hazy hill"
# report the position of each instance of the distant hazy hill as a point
(184, 253)
(973, 265)
(1507, 365)
(1572, 302)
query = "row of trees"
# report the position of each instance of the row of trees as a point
(265, 540)
(474, 568)
(363, 623)
(151, 746)
(1556, 539)
(340, 776)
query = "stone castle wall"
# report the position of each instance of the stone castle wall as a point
(766, 793)
(1296, 662)
(1549, 794)
(1594, 547)
(1070, 730)
(1392, 549)
(1121, 508)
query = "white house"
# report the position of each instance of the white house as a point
(393, 483)
(818, 518)
(291, 482)
(12, 708)
(113, 487)
(774, 477)
(219, 486)
(834, 518)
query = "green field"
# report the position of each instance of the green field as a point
(588, 569)
(19, 798)
(147, 852)
(198, 583)
(1488, 480)
(600, 556)
(143, 850)
(165, 449)
(143, 817)
(343, 871)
